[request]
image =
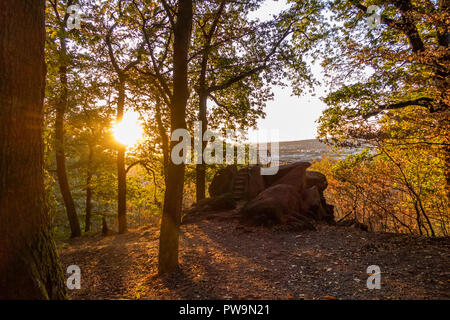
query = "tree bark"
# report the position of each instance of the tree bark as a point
(164, 139)
(200, 169)
(29, 263)
(171, 217)
(121, 171)
(105, 229)
(203, 100)
(87, 224)
(61, 170)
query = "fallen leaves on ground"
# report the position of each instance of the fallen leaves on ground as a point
(221, 260)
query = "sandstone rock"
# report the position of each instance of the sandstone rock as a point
(323, 211)
(330, 213)
(312, 204)
(314, 178)
(255, 182)
(291, 199)
(293, 174)
(248, 183)
(273, 206)
(209, 206)
(223, 181)
(298, 223)
(222, 202)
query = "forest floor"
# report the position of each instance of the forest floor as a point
(223, 260)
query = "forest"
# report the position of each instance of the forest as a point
(125, 160)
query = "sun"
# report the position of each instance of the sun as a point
(129, 131)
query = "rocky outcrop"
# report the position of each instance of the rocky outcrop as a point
(314, 178)
(278, 205)
(205, 207)
(272, 206)
(295, 177)
(313, 206)
(316, 183)
(222, 202)
(293, 174)
(248, 183)
(255, 182)
(223, 181)
(292, 197)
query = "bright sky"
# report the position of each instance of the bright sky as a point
(293, 117)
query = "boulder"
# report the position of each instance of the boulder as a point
(223, 181)
(329, 209)
(314, 178)
(208, 207)
(295, 177)
(310, 199)
(318, 180)
(291, 199)
(272, 206)
(218, 203)
(255, 182)
(293, 174)
(298, 223)
(312, 205)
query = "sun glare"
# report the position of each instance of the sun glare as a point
(129, 130)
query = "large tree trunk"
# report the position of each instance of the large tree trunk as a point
(87, 224)
(171, 218)
(200, 176)
(29, 263)
(61, 170)
(121, 171)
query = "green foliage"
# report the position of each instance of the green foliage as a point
(387, 91)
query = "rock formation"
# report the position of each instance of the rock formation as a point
(223, 181)
(293, 197)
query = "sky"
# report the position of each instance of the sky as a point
(293, 117)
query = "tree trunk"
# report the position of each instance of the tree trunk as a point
(164, 139)
(203, 99)
(87, 224)
(447, 171)
(121, 171)
(29, 263)
(105, 229)
(171, 217)
(61, 170)
(444, 125)
(122, 191)
(200, 169)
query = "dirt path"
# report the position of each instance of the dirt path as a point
(222, 260)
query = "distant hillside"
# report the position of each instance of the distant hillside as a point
(309, 150)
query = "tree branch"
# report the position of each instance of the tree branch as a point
(250, 72)
(423, 102)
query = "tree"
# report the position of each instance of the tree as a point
(90, 128)
(121, 173)
(236, 60)
(29, 267)
(156, 32)
(181, 22)
(120, 70)
(61, 105)
(389, 89)
(402, 64)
